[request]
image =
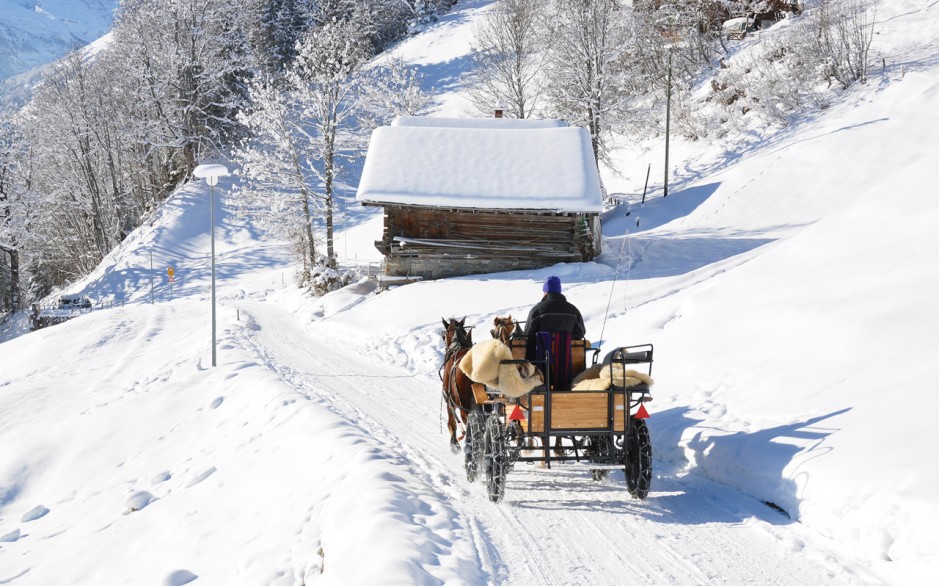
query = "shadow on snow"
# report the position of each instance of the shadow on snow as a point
(698, 498)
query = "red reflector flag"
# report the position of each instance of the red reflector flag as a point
(641, 413)
(517, 414)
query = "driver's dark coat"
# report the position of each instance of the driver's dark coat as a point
(554, 313)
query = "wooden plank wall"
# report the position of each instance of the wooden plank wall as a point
(437, 243)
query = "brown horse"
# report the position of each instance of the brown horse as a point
(505, 328)
(457, 387)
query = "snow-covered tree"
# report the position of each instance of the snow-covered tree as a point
(191, 61)
(110, 133)
(283, 23)
(9, 252)
(276, 168)
(508, 59)
(843, 33)
(69, 126)
(302, 126)
(424, 12)
(299, 136)
(587, 43)
(393, 89)
(801, 67)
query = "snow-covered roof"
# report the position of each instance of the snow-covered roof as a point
(504, 123)
(481, 163)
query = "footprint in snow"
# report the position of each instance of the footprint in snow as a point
(161, 477)
(178, 578)
(34, 513)
(11, 536)
(200, 477)
(216, 402)
(138, 500)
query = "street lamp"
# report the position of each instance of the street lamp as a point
(211, 173)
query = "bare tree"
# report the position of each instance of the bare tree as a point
(393, 89)
(192, 61)
(585, 50)
(299, 137)
(9, 253)
(276, 170)
(843, 32)
(508, 59)
(799, 68)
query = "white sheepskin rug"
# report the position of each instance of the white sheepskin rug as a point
(483, 364)
(601, 377)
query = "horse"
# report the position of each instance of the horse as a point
(457, 387)
(505, 328)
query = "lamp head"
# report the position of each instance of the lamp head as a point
(211, 173)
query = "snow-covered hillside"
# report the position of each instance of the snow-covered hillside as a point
(34, 33)
(788, 289)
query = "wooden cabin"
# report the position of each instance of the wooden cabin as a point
(466, 196)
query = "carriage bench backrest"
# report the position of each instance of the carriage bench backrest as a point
(578, 353)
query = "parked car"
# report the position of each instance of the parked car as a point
(74, 302)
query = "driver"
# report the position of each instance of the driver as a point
(554, 313)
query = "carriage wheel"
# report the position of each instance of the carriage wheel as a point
(473, 446)
(638, 459)
(495, 459)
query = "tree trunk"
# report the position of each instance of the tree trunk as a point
(308, 231)
(15, 279)
(14, 276)
(330, 162)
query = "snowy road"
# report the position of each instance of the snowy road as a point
(555, 526)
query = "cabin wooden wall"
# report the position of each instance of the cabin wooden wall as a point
(436, 243)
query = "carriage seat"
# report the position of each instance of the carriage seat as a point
(612, 372)
(577, 351)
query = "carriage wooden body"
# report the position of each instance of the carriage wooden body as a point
(599, 428)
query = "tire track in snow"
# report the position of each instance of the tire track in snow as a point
(555, 526)
(438, 487)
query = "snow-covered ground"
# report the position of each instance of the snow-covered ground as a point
(789, 291)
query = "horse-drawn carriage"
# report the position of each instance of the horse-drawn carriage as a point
(598, 421)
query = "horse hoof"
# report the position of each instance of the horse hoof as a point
(455, 448)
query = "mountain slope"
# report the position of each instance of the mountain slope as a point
(788, 292)
(34, 33)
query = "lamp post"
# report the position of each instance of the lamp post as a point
(211, 173)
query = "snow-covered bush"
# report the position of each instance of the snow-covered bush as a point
(324, 279)
(799, 65)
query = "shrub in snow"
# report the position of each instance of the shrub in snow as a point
(324, 279)
(798, 66)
